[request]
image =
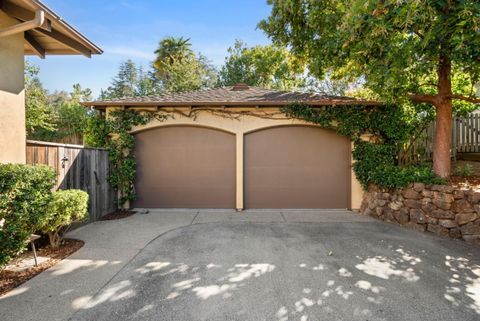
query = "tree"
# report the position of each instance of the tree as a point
(69, 116)
(130, 81)
(264, 66)
(172, 50)
(38, 113)
(178, 68)
(425, 51)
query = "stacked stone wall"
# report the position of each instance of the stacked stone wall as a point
(441, 209)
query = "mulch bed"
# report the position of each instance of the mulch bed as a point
(473, 181)
(118, 214)
(11, 279)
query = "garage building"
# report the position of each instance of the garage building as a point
(232, 147)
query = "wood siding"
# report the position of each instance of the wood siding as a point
(78, 168)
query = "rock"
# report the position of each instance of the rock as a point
(474, 239)
(372, 205)
(442, 204)
(437, 229)
(470, 229)
(412, 203)
(401, 216)
(415, 226)
(475, 197)
(431, 220)
(427, 193)
(368, 212)
(385, 196)
(462, 206)
(395, 205)
(381, 202)
(476, 208)
(388, 214)
(455, 233)
(458, 194)
(379, 211)
(410, 193)
(426, 200)
(447, 223)
(442, 188)
(418, 187)
(442, 214)
(464, 218)
(417, 216)
(428, 207)
(444, 197)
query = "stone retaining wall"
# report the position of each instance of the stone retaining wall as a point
(441, 209)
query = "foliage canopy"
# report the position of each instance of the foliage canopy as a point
(425, 51)
(262, 66)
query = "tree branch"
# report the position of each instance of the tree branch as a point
(472, 100)
(423, 98)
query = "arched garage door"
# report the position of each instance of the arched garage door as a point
(185, 167)
(297, 167)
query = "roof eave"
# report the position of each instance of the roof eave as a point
(95, 50)
(133, 104)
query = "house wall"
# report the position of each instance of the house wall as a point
(232, 120)
(12, 96)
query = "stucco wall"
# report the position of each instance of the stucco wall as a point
(12, 96)
(241, 124)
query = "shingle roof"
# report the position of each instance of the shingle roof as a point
(238, 95)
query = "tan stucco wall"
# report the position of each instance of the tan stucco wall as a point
(12, 96)
(240, 126)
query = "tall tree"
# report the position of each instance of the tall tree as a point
(69, 116)
(172, 50)
(131, 81)
(38, 113)
(426, 51)
(264, 66)
(178, 68)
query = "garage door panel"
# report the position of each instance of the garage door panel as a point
(185, 167)
(297, 167)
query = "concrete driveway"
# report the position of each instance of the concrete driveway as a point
(278, 265)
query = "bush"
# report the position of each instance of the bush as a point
(465, 170)
(25, 194)
(66, 207)
(375, 164)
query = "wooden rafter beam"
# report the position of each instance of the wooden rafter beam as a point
(22, 14)
(39, 50)
(67, 41)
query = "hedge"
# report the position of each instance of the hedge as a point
(25, 194)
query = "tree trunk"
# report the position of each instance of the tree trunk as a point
(443, 137)
(54, 239)
(443, 132)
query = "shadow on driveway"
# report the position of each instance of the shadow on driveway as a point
(293, 271)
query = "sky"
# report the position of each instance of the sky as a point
(131, 29)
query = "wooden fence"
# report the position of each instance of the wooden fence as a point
(466, 134)
(465, 139)
(78, 168)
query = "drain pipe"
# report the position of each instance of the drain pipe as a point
(36, 22)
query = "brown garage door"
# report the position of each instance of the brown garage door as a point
(297, 167)
(185, 167)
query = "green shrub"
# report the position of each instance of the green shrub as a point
(25, 193)
(67, 206)
(465, 170)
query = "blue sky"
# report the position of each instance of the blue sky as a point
(131, 29)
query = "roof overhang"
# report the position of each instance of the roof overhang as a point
(54, 37)
(126, 104)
